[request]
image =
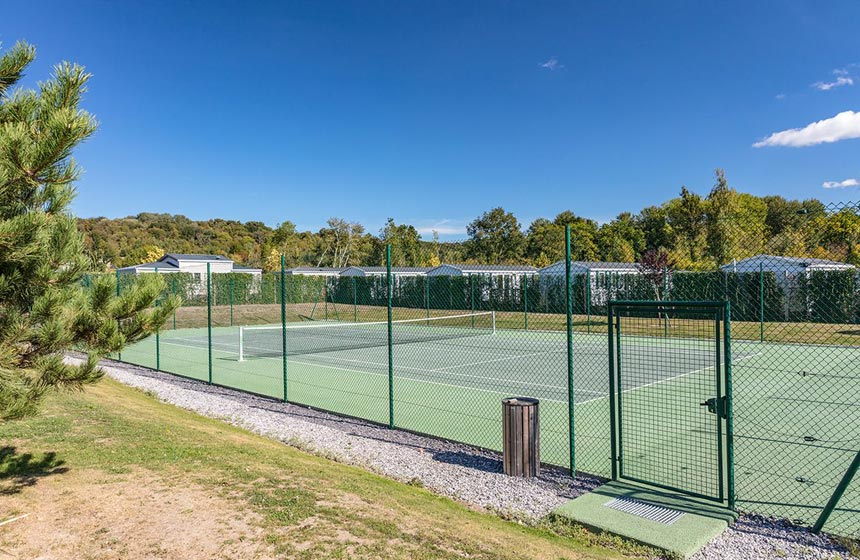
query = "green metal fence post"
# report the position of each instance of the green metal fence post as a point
(119, 354)
(612, 427)
(837, 494)
(284, 324)
(730, 432)
(761, 302)
(230, 290)
(157, 339)
(526, 301)
(570, 395)
(209, 315)
(390, 294)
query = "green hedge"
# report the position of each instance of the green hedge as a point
(819, 297)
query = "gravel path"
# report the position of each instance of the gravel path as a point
(462, 472)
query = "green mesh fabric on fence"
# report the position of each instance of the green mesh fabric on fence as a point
(796, 367)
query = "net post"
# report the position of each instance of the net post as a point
(241, 344)
(665, 297)
(761, 302)
(284, 324)
(588, 300)
(157, 340)
(209, 316)
(389, 294)
(427, 297)
(173, 291)
(526, 301)
(837, 494)
(317, 300)
(493, 320)
(472, 296)
(730, 435)
(354, 302)
(569, 312)
(119, 354)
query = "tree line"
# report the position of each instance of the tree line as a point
(694, 232)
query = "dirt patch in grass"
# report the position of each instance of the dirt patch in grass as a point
(88, 514)
(113, 474)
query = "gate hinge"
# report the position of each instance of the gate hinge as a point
(716, 405)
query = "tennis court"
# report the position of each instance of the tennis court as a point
(450, 374)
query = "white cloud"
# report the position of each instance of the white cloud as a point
(551, 64)
(841, 184)
(780, 96)
(842, 79)
(844, 126)
(442, 227)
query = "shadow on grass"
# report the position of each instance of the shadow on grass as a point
(21, 470)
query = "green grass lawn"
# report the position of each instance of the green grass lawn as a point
(166, 483)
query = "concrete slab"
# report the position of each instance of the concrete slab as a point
(699, 523)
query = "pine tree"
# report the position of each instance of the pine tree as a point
(44, 308)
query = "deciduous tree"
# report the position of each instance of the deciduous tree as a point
(495, 238)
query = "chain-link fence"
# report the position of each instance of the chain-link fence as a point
(436, 353)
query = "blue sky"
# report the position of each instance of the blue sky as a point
(432, 112)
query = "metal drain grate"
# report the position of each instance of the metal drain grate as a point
(660, 514)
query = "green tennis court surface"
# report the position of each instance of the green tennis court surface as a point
(452, 387)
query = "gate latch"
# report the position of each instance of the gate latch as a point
(716, 405)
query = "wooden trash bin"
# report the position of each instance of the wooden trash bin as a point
(521, 428)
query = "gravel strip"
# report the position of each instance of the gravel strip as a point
(460, 471)
(759, 538)
(452, 469)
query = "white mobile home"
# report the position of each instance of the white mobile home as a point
(190, 263)
(486, 269)
(789, 274)
(382, 271)
(606, 279)
(313, 271)
(784, 266)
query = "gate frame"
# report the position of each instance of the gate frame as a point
(726, 469)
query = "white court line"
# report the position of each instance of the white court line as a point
(422, 370)
(494, 360)
(408, 379)
(672, 378)
(371, 373)
(455, 374)
(441, 370)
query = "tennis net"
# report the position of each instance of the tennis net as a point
(268, 341)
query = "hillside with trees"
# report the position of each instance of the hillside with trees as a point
(697, 232)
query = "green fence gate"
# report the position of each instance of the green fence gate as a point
(670, 396)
